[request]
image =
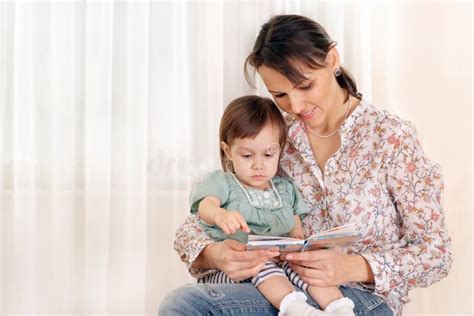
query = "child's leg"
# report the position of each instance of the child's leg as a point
(272, 282)
(330, 299)
(275, 289)
(324, 295)
(281, 293)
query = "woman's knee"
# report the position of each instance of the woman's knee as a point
(181, 301)
(204, 299)
(366, 303)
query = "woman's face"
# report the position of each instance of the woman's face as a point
(312, 101)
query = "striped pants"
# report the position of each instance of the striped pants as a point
(269, 269)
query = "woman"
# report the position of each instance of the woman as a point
(352, 163)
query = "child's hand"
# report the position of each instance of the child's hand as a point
(297, 232)
(276, 260)
(231, 221)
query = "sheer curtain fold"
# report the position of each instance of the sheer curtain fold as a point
(97, 153)
(109, 112)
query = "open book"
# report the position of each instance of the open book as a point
(337, 236)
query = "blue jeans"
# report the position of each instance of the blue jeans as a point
(245, 299)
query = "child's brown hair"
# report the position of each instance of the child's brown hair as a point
(245, 117)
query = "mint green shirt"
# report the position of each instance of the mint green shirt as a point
(262, 209)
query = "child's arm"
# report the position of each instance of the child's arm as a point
(297, 231)
(229, 221)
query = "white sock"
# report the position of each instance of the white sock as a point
(294, 304)
(290, 298)
(342, 306)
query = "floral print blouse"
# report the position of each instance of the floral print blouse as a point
(380, 179)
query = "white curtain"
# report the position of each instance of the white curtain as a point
(109, 111)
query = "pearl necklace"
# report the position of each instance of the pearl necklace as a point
(337, 129)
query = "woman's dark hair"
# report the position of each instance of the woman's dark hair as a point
(245, 117)
(287, 41)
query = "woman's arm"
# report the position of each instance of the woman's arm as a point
(330, 267)
(422, 256)
(360, 270)
(190, 241)
(230, 257)
(203, 256)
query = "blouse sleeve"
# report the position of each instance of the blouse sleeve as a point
(190, 238)
(423, 255)
(214, 184)
(189, 241)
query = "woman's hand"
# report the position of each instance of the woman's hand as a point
(329, 267)
(231, 257)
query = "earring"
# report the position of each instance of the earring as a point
(337, 72)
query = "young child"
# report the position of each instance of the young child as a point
(247, 197)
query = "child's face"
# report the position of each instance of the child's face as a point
(255, 160)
